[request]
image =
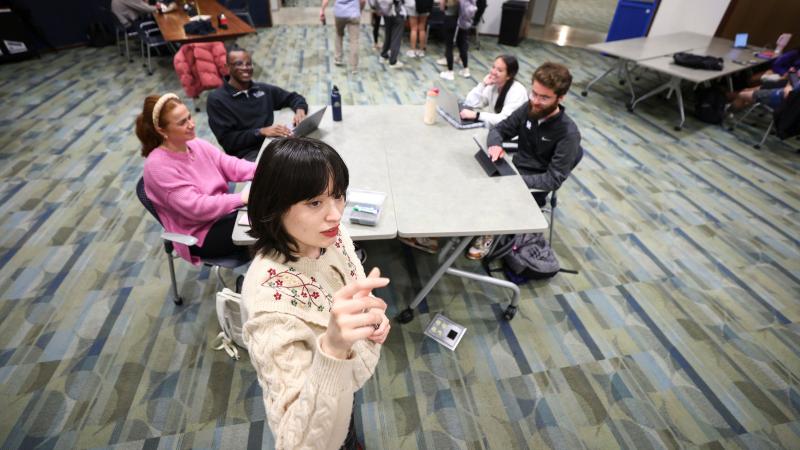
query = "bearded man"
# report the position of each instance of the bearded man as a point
(549, 141)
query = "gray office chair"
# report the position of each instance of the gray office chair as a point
(170, 239)
(150, 37)
(121, 33)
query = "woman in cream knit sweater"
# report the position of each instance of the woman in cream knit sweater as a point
(311, 324)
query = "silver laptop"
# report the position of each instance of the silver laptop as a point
(309, 124)
(449, 104)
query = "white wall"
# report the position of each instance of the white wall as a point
(699, 16)
(491, 18)
(494, 10)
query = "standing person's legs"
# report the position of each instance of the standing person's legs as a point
(387, 40)
(340, 24)
(396, 36)
(463, 46)
(353, 30)
(422, 25)
(376, 29)
(450, 27)
(413, 24)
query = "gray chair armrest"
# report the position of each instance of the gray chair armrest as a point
(184, 239)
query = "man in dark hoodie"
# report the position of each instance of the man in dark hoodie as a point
(241, 111)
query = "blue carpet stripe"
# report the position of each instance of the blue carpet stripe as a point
(698, 381)
(580, 328)
(759, 217)
(727, 273)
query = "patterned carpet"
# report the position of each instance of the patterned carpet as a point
(680, 331)
(592, 15)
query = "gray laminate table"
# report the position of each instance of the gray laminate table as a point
(434, 185)
(734, 60)
(639, 49)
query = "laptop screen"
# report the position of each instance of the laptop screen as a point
(740, 41)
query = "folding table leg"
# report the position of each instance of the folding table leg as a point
(407, 315)
(616, 66)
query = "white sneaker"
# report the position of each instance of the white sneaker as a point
(383, 60)
(338, 62)
(411, 53)
(421, 54)
(464, 72)
(441, 61)
(397, 65)
(447, 75)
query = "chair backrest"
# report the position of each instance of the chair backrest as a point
(148, 205)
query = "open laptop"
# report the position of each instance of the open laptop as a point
(309, 124)
(740, 41)
(449, 107)
(501, 167)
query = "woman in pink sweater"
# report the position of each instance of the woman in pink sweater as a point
(186, 179)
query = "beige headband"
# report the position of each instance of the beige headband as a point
(160, 104)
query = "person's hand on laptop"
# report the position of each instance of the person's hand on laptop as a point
(276, 130)
(467, 114)
(299, 115)
(496, 152)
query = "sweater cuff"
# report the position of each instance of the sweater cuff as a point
(332, 375)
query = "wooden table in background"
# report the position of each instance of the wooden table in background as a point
(171, 23)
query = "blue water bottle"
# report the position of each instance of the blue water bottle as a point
(336, 103)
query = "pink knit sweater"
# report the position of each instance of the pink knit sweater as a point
(190, 190)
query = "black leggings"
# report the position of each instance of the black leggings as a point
(376, 27)
(218, 242)
(461, 38)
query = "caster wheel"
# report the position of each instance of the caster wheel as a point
(621, 82)
(730, 128)
(510, 312)
(178, 301)
(585, 93)
(407, 315)
(757, 147)
(629, 108)
(196, 109)
(677, 128)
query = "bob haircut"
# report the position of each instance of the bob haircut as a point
(290, 171)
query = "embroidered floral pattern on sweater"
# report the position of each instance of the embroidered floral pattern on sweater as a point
(299, 289)
(350, 266)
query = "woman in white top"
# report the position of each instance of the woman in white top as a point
(498, 91)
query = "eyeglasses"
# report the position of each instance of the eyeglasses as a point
(544, 98)
(238, 64)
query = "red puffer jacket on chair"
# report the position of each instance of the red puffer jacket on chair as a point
(200, 67)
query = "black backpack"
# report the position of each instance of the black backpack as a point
(697, 61)
(100, 35)
(709, 104)
(525, 257)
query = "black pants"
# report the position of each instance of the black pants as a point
(461, 39)
(218, 241)
(376, 27)
(392, 37)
